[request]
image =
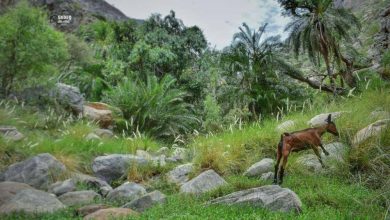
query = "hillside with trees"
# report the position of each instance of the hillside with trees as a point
(143, 119)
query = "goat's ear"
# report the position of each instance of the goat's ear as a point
(329, 119)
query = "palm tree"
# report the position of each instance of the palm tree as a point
(253, 53)
(318, 29)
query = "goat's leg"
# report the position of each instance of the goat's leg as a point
(323, 149)
(317, 152)
(278, 158)
(284, 163)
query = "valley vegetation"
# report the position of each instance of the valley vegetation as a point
(167, 87)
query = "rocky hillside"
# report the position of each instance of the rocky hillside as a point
(82, 11)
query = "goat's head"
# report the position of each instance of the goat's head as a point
(331, 126)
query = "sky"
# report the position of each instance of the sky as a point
(218, 19)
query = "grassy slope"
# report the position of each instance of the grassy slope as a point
(330, 195)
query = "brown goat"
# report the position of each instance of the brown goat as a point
(302, 140)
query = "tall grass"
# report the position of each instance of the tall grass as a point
(234, 150)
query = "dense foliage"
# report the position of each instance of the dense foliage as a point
(164, 76)
(29, 47)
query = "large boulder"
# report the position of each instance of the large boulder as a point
(110, 213)
(126, 192)
(206, 181)
(372, 130)
(62, 187)
(99, 113)
(146, 201)
(31, 201)
(272, 197)
(10, 189)
(11, 133)
(263, 166)
(36, 171)
(95, 183)
(69, 97)
(179, 175)
(285, 126)
(114, 166)
(79, 197)
(320, 119)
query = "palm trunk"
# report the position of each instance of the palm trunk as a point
(330, 74)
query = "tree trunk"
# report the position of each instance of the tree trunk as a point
(330, 74)
(298, 75)
(347, 75)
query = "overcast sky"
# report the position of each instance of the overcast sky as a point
(219, 19)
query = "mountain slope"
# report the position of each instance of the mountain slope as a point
(82, 11)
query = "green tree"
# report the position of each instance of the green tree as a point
(318, 29)
(29, 46)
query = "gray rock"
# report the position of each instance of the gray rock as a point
(179, 175)
(143, 154)
(126, 192)
(10, 189)
(111, 213)
(36, 171)
(93, 182)
(114, 166)
(372, 130)
(163, 151)
(319, 120)
(32, 201)
(206, 181)
(102, 116)
(79, 197)
(11, 133)
(272, 197)
(88, 209)
(146, 201)
(69, 97)
(179, 153)
(92, 137)
(310, 161)
(62, 187)
(380, 114)
(336, 152)
(285, 126)
(104, 133)
(263, 166)
(267, 176)
(159, 161)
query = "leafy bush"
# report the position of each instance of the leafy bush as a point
(212, 114)
(29, 46)
(154, 107)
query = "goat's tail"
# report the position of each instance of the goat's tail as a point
(280, 145)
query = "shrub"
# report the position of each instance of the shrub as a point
(154, 107)
(212, 114)
(29, 46)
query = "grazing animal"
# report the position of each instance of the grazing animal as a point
(302, 140)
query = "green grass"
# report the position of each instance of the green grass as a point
(322, 197)
(357, 189)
